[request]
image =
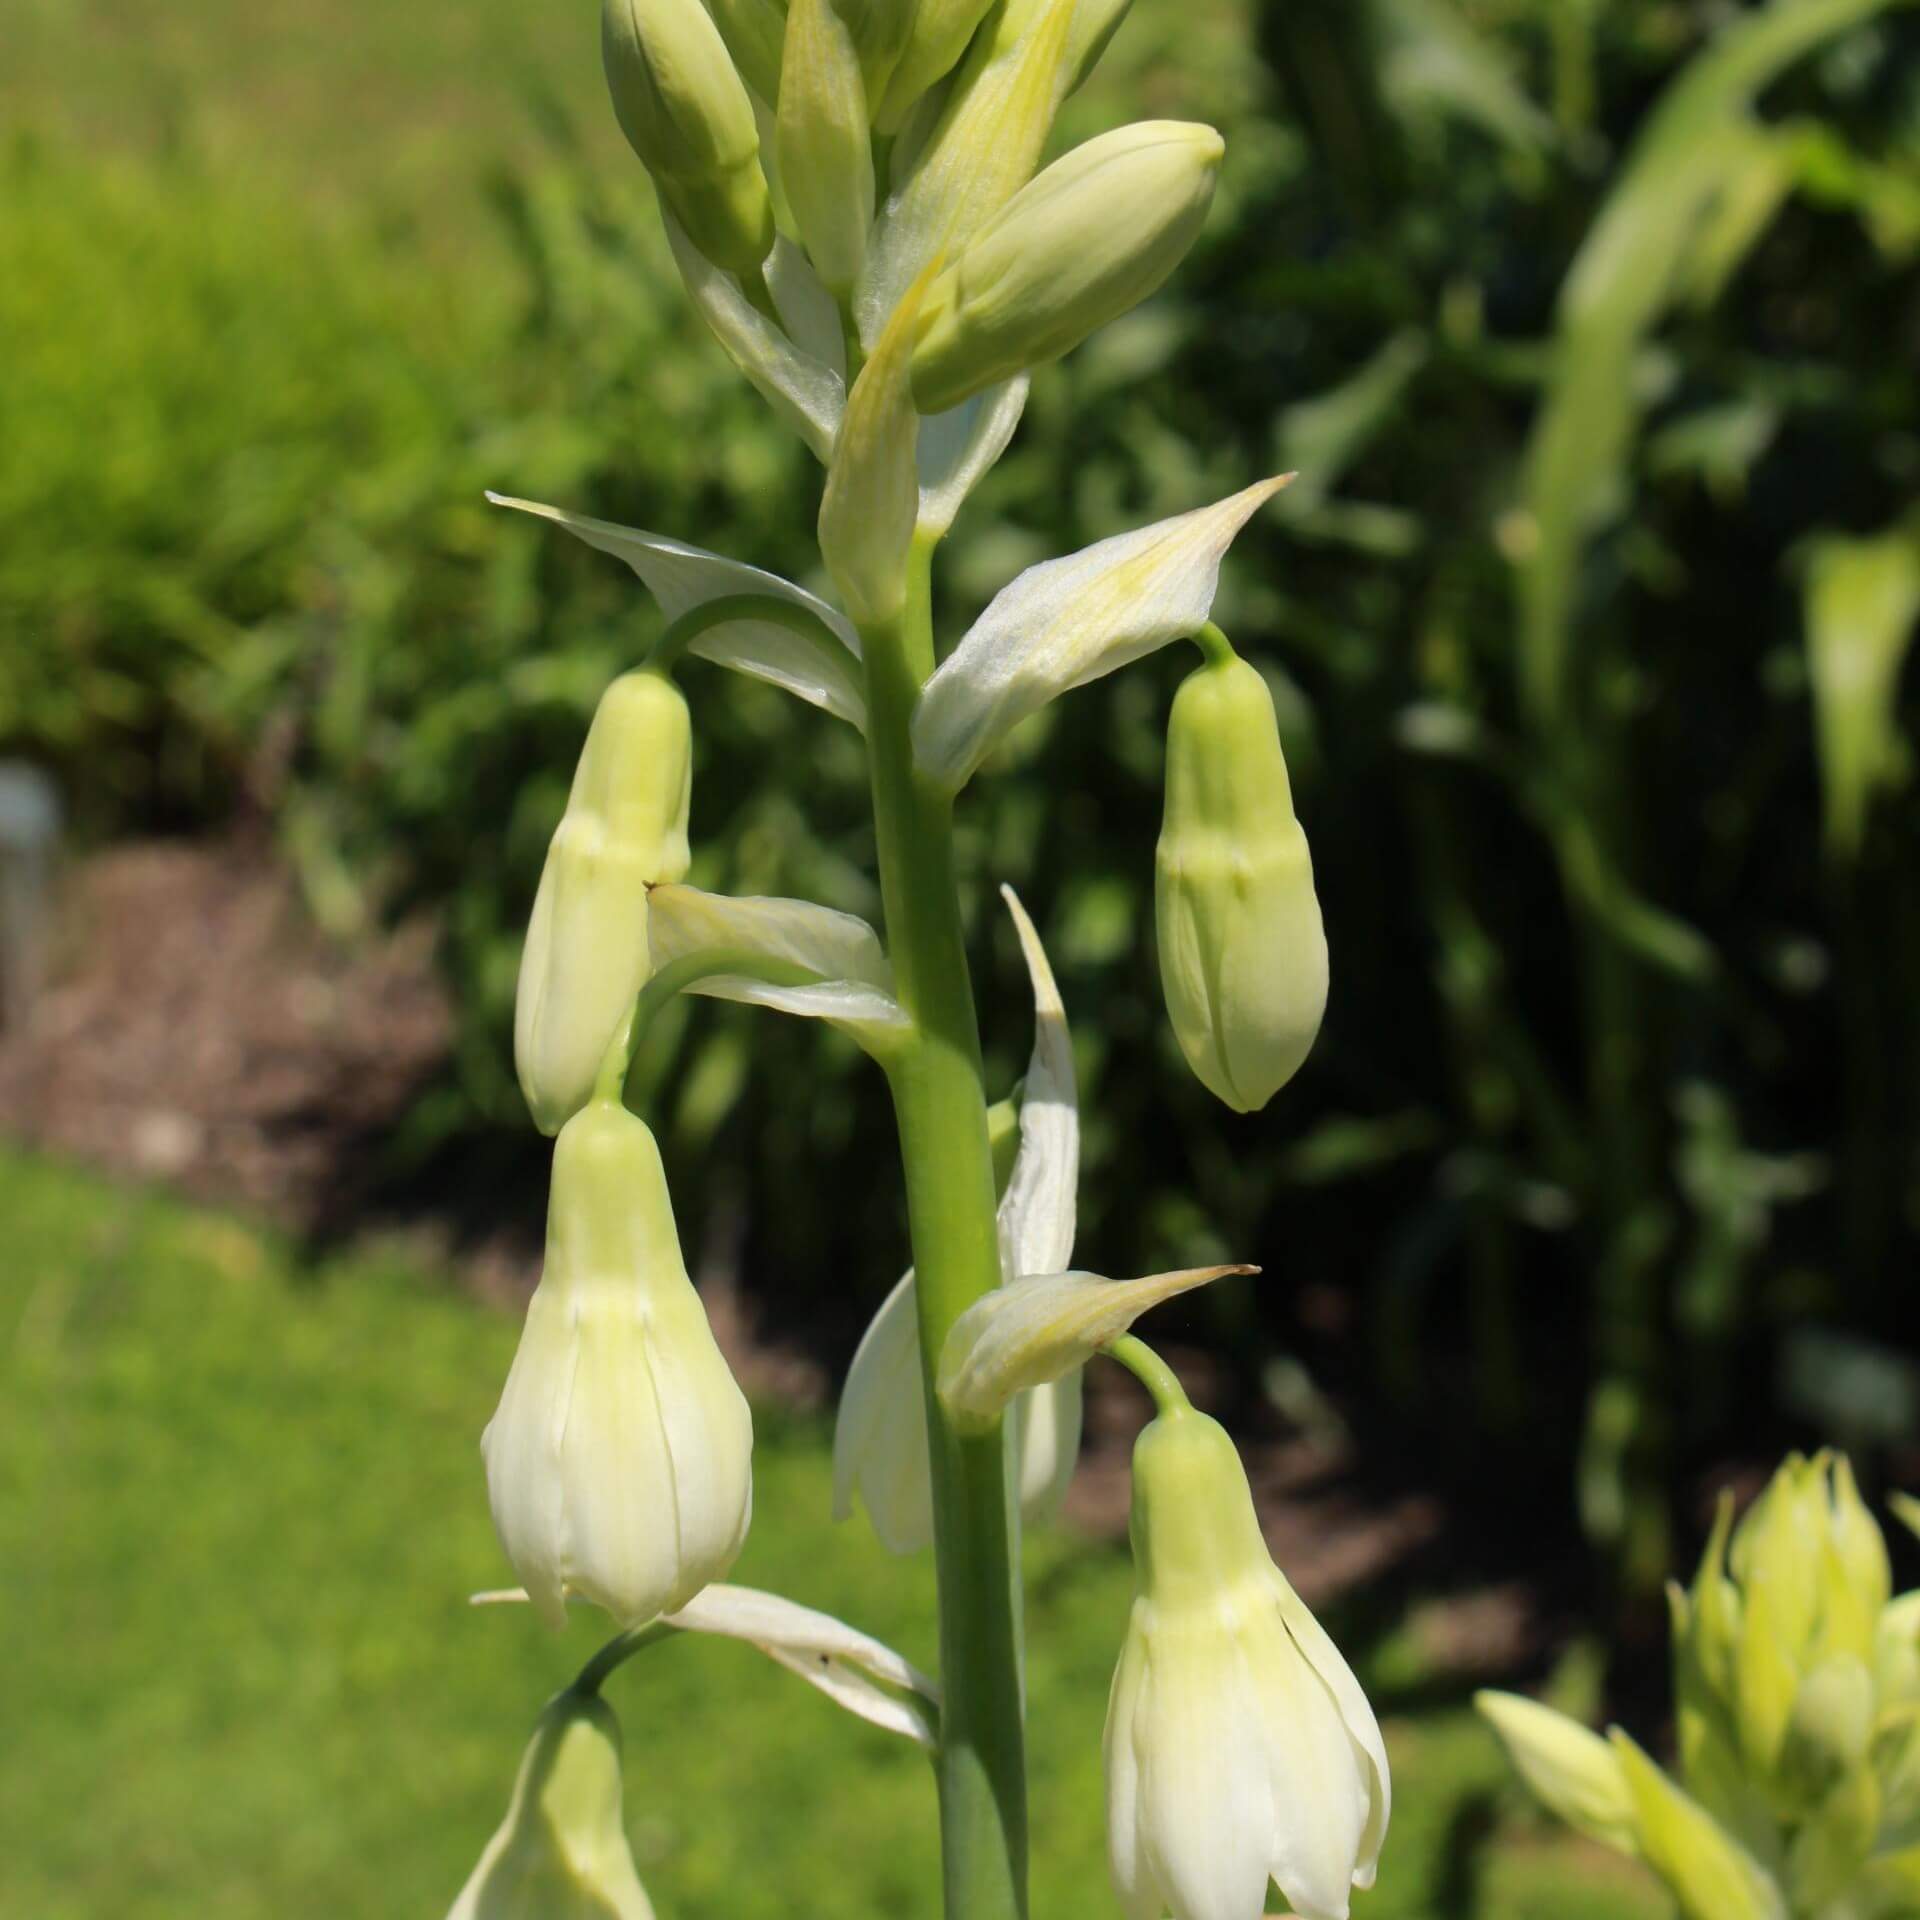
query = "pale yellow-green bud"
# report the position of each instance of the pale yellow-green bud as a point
(755, 32)
(619, 1461)
(1243, 954)
(941, 31)
(825, 141)
(1711, 1875)
(1089, 237)
(1571, 1770)
(561, 1853)
(685, 112)
(625, 828)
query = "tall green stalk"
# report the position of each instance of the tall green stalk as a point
(940, 1102)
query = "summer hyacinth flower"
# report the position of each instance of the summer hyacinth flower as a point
(1239, 1747)
(561, 1853)
(619, 1462)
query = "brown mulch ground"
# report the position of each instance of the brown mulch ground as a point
(196, 1030)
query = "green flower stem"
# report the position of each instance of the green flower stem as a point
(1214, 644)
(617, 1652)
(942, 1114)
(1153, 1373)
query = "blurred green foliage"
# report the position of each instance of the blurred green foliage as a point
(1591, 330)
(245, 1681)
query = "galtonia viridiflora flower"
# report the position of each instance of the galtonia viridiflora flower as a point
(625, 828)
(1243, 954)
(561, 1853)
(1239, 1746)
(619, 1462)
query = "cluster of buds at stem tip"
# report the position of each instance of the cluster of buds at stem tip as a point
(624, 830)
(1243, 953)
(1797, 1684)
(1239, 1747)
(619, 1461)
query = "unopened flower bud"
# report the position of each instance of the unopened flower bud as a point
(619, 1461)
(685, 112)
(1239, 1746)
(1571, 1770)
(941, 31)
(1243, 955)
(562, 1849)
(1079, 244)
(755, 31)
(825, 141)
(625, 828)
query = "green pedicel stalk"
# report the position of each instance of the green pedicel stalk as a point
(942, 1113)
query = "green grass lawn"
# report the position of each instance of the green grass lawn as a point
(240, 1509)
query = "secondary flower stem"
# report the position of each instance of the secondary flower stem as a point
(617, 1652)
(1152, 1372)
(666, 652)
(942, 1114)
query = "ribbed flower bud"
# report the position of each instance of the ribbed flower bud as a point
(1239, 1746)
(1243, 955)
(562, 1849)
(619, 1461)
(755, 31)
(825, 141)
(686, 114)
(625, 828)
(941, 31)
(1079, 244)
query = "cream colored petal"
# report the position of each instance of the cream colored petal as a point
(1206, 1814)
(806, 306)
(681, 578)
(1319, 1778)
(1131, 1880)
(959, 446)
(807, 394)
(522, 1447)
(1037, 1329)
(880, 1433)
(1327, 1661)
(620, 1501)
(1068, 621)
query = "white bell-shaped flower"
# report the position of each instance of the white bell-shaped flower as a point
(619, 1461)
(1239, 1747)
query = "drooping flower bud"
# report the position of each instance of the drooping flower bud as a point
(686, 113)
(1243, 954)
(562, 1849)
(1239, 1747)
(619, 1461)
(624, 829)
(1079, 244)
